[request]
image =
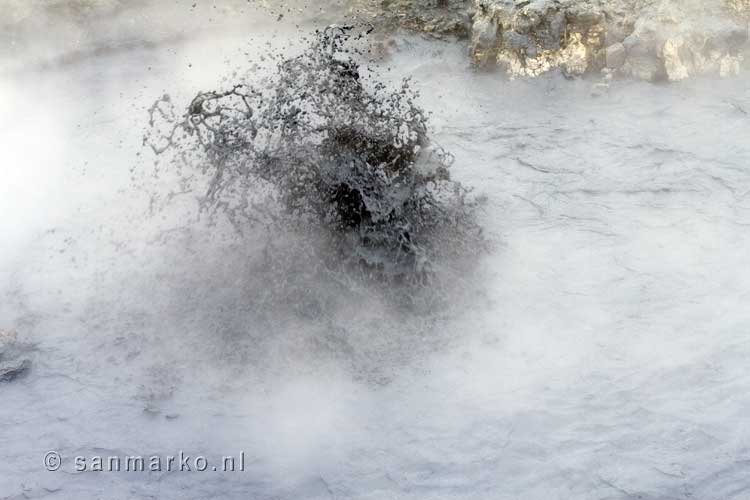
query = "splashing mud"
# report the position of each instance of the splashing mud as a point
(322, 149)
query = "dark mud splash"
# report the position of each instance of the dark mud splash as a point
(323, 150)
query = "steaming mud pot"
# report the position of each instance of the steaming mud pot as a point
(599, 350)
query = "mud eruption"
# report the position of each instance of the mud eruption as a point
(323, 148)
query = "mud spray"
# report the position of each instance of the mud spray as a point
(322, 152)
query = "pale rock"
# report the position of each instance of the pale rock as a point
(574, 58)
(730, 66)
(675, 40)
(673, 64)
(645, 39)
(483, 40)
(615, 56)
(439, 18)
(533, 37)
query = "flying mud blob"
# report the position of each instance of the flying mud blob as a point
(321, 146)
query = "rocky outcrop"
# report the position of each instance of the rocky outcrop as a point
(676, 40)
(435, 17)
(740, 7)
(531, 37)
(646, 39)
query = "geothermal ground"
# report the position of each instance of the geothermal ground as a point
(599, 350)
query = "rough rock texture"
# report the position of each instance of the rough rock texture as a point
(436, 17)
(740, 6)
(646, 39)
(529, 38)
(13, 360)
(676, 40)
